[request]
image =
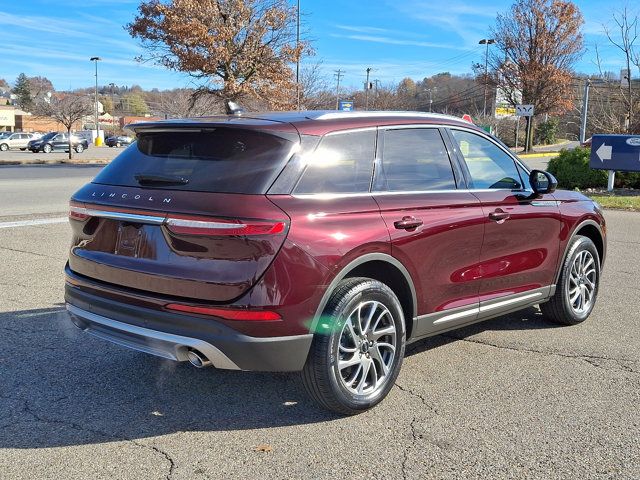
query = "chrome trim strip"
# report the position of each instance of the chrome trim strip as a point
(127, 217)
(516, 299)
(161, 344)
(180, 222)
(455, 316)
(487, 309)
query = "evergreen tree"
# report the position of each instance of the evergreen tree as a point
(22, 91)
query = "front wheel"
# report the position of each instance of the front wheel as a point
(4, 147)
(357, 349)
(577, 288)
(79, 148)
(47, 148)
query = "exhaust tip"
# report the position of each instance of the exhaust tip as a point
(197, 359)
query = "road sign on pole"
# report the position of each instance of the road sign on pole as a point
(346, 105)
(615, 152)
(524, 110)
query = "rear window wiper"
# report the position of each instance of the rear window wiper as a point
(150, 179)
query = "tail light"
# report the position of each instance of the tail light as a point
(78, 211)
(222, 227)
(226, 313)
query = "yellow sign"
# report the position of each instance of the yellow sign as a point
(7, 117)
(505, 111)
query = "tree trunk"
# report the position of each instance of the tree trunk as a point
(69, 140)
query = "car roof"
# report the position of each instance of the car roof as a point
(308, 122)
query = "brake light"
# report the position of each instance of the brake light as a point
(78, 212)
(229, 314)
(213, 226)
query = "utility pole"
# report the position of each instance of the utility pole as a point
(366, 90)
(298, 57)
(430, 90)
(585, 108)
(376, 83)
(338, 74)
(98, 141)
(487, 42)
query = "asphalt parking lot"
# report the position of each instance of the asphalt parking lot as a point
(92, 154)
(515, 397)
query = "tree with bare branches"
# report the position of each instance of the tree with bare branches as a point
(538, 43)
(624, 36)
(239, 48)
(68, 109)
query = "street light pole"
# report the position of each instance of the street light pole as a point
(98, 142)
(487, 42)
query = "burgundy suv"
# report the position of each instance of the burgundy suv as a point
(322, 242)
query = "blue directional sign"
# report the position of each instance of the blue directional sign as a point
(346, 105)
(615, 152)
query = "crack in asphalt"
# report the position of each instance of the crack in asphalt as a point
(28, 252)
(590, 359)
(81, 428)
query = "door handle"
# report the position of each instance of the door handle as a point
(407, 223)
(499, 215)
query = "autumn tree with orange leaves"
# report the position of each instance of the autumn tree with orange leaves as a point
(237, 49)
(538, 43)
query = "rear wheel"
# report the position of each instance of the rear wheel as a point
(79, 148)
(118, 144)
(358, 348)
(577, 287)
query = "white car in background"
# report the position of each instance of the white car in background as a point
(15, 140)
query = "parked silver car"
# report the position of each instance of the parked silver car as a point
(15, 140)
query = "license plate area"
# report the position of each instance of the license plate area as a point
(129, 240)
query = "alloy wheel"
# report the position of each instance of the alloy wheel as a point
(366, 352)
(581, 284)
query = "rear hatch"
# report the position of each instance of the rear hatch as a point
(183, 212)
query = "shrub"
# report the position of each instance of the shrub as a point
(547, 132)
(571, 168)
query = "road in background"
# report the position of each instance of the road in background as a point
(514, 397)
(40, 189)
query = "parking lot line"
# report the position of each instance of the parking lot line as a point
(35, 221)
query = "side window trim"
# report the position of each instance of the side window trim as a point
(463, 163)
(382, 132)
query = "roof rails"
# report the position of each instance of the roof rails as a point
(336, 115)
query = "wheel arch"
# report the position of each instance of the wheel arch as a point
(384, 268)
(592, 230)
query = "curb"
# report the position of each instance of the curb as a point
(538, 155)
(14, 163)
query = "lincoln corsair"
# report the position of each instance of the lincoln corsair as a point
(322, 242)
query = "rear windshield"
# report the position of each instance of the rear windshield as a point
(224, 160)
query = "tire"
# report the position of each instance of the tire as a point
(353, 302)
(46, 148)
(4, 147)
(79, 148)
(118, 144)
(580, 275)
(22, 149)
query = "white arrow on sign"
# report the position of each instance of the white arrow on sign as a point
(604, 152)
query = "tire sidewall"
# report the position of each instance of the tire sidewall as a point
(344, 307)
(579, 244)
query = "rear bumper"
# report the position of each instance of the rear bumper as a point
(171, 335)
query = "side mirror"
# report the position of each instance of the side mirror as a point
(542, 182)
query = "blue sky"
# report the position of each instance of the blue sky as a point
(414, 38)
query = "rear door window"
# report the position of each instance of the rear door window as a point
(414, 159)
(223, 160)
(342, 163)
